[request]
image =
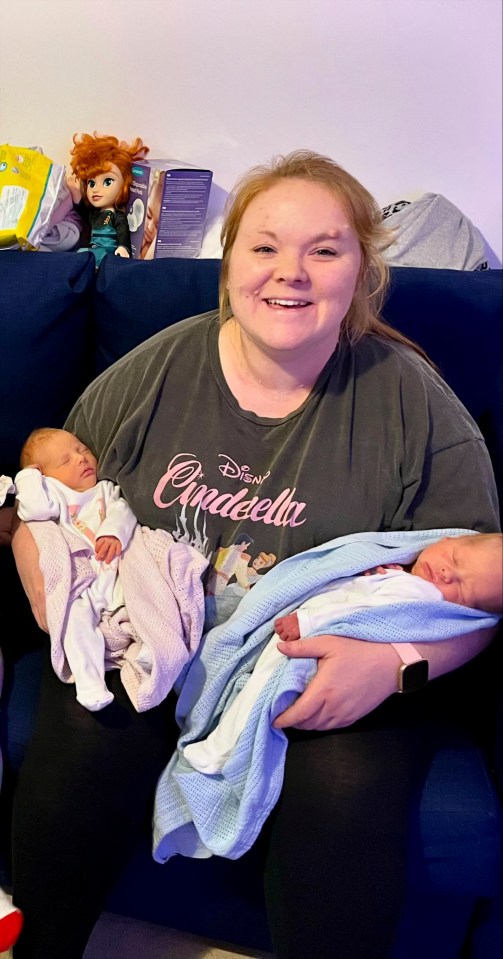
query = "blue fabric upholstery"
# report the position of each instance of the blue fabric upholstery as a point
(46, 338)
(61, 324)
(137, 298)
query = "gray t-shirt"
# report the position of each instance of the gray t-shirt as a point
(381, 443)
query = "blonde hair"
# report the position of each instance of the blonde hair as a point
(363, 316)
(495, 605)
(30, 447)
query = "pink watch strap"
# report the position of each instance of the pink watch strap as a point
(407, 652)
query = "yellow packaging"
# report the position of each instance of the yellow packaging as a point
(29, 185)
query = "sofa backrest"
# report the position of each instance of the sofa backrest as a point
(46, 342)
(62, 323)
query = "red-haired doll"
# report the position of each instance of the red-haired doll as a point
(99, 185)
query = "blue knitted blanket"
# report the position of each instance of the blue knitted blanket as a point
(199, 815)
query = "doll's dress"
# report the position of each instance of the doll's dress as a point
(109, 229)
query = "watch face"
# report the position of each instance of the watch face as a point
(413, 676)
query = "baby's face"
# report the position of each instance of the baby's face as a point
(65, 458)
(466, 570)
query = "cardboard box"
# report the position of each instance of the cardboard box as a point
(167, 208)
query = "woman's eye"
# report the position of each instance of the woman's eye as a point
(263, 249)
(325, 251)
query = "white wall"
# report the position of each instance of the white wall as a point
(405, 93)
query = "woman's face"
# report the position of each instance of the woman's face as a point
(104, 189)
(293, 268)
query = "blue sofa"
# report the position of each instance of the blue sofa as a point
(61, 323)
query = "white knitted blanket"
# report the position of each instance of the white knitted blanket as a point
(158, 630)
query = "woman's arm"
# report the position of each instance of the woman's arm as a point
(27, 562)
(333, 699)
(6, 515)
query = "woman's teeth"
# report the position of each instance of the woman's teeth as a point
(287, 302)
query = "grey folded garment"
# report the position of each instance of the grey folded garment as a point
(432, 232)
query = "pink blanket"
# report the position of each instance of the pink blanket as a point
(158, 630)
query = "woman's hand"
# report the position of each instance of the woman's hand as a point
(27, 562)
(353, 678)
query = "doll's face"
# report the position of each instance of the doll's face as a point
(103, 190)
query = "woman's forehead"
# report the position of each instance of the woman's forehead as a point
(299, 206)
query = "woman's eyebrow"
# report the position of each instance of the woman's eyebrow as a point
(322, 237)
(319, 238)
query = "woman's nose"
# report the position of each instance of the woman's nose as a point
(290, 269)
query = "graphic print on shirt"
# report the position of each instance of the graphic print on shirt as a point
(180, 485)
(233, 562)
(79, 524)
(82, 527)
(237, 564)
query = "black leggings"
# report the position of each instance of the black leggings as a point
(335, 848)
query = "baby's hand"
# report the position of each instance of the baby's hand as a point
(287, 627)
(108, 548)
(382, 569)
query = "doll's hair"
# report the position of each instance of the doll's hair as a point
(92, 155)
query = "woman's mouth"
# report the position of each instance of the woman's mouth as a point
(287, 304)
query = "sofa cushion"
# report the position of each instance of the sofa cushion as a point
(46, 328)
(456, 317)
(137, 298)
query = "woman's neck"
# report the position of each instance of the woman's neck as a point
(267, 384)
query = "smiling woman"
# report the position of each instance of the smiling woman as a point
(304, 417)
(291, 287)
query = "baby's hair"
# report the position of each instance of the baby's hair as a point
(29, 450)
(497, 540)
